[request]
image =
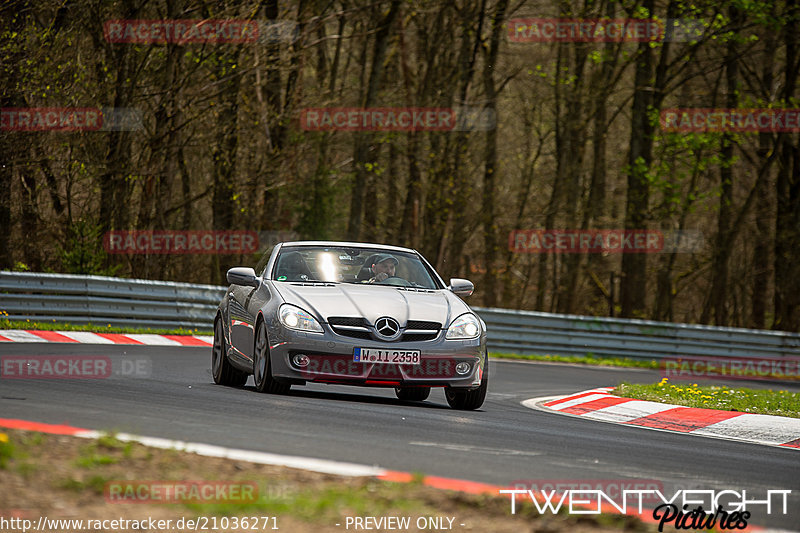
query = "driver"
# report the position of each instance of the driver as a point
(382, 268)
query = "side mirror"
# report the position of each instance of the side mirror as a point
(461, 287)
(245, 276)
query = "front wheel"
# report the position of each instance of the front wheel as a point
(468, 400)
(412, 394)
(221, 369)
(262, 368)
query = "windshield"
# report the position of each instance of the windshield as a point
(352, 265)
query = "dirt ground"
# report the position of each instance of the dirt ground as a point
(60, 477)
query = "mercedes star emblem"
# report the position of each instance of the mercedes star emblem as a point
(387, 327)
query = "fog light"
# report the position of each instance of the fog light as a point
(462, 368)
(300, 360)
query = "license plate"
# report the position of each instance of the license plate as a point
(392, 357)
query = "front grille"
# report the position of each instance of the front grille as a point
(355, 327)
(346, 321)
(421, 330)
(351, 333)
(422, 324)
(414, 337)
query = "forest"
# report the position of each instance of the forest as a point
(515, 143)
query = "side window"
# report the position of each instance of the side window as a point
(292, 267)
(262, 263)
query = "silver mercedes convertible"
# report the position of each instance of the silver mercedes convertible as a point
(351, 314)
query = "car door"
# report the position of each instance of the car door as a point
(242, 322)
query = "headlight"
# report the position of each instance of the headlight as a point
(295, 318)
(464, 327)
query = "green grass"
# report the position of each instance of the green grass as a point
(109, 441)
(91, 455)
(581, 360)
(95, 460)
(6, 451)
(70, 483)
(6, 323)
(767, 402)
(26, 469)
(373, 499)
(20, 452)
(95, 484)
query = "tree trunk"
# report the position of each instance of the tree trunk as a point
(115, 188)
(224, 155)
(634, 266)
(363, 158)
(594, 213)
(763, 238)
(570, 170)
(787, 223)
(490, 244)
(462, 187)
(719, 285)
(10, 146)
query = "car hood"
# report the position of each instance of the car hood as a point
(373, 302)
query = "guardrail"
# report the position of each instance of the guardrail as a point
(529, 332)
(163, 304)
(106, 300)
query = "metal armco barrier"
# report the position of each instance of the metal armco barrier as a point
(163, 304)
(529, 332)
(105, 300)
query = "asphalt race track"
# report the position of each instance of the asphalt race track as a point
(171, 395)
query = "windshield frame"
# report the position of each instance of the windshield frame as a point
(365, 251)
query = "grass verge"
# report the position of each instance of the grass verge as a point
(760, 401)
(581, 360)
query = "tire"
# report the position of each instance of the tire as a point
(468, 400)
(262, 369)
(221, 369)
(412, 394)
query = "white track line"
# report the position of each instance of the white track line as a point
(324, 466)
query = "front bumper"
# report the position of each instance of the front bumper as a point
(330, 360)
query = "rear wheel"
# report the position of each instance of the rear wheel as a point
(221, 369)
(469, 400)
(262, 368)
(412, 394)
